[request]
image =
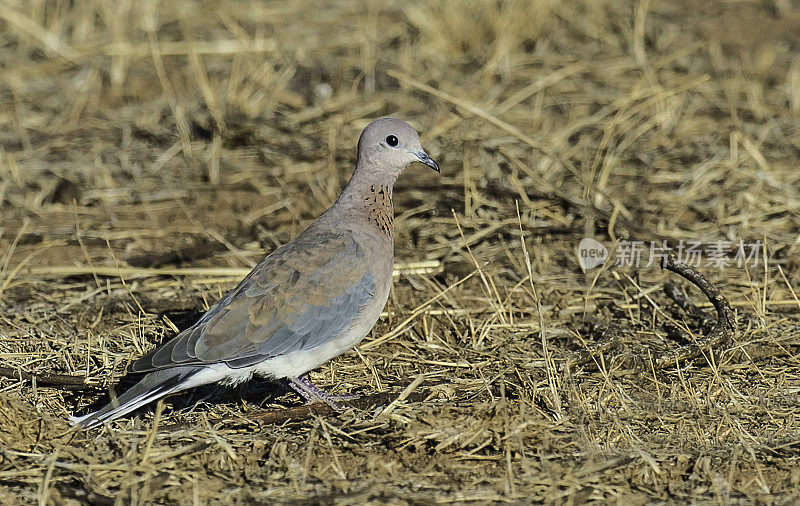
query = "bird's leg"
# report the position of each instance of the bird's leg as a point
(312, 393)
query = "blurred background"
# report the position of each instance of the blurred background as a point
(142, 139)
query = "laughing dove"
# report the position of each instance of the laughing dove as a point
(304, 304)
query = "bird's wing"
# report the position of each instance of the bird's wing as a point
(302, 295)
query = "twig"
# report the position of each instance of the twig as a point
(606, 340)
(62, 381)
(724, 327)
(423, 267)
(675, 293)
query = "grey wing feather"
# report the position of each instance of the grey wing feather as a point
(330, 324)
(301, 296)
(177, 350)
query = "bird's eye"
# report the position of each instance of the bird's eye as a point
(392, 141)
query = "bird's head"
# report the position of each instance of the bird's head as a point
(390, 145)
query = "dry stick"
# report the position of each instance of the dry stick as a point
(721, 332)
(420, 268)
(550, 364)
(403, 396)
(605, 341)
(10, 251)
(11, 275)
(199, 47)
(62, 381)
(718, 335)
(675, 293)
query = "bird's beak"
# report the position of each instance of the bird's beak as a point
(427, 160)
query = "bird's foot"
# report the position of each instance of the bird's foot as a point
(312, 393)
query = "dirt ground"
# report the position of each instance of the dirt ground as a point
(151, 153)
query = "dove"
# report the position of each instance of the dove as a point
(305, 303)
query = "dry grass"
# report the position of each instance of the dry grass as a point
(150, 152)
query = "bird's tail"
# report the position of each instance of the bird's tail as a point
(153, 386)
